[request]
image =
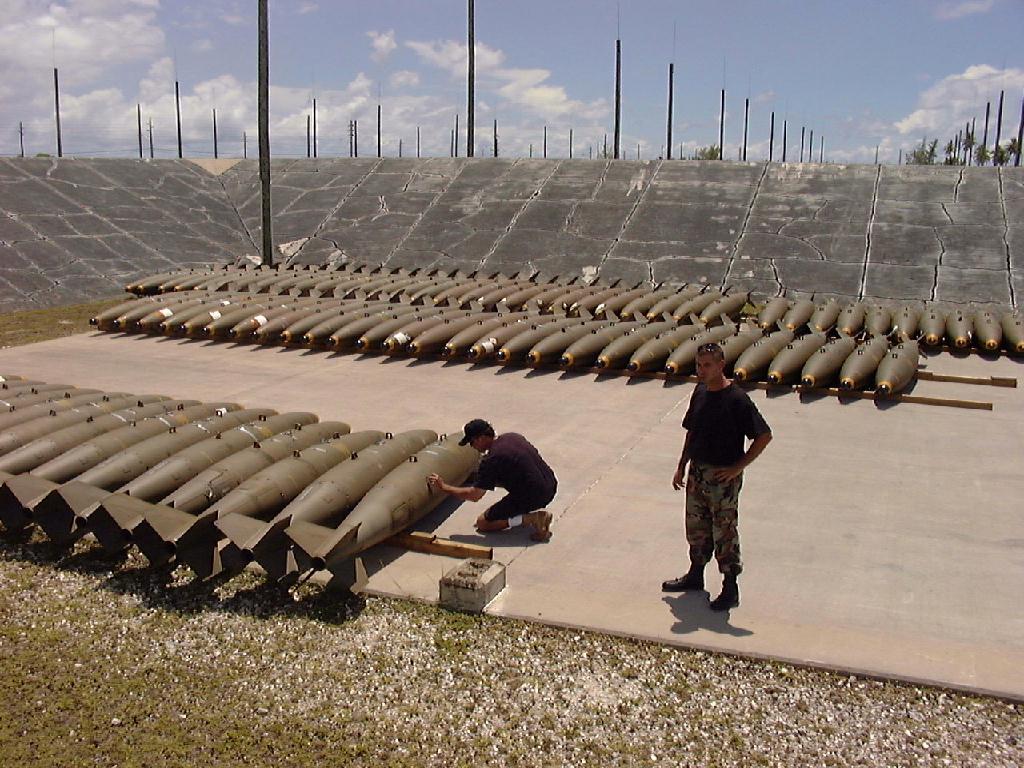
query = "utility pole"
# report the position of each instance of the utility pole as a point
(821, 157)
(785, 137)
(21, 137)
(984, 137)
(417, 141)
(399, 147)
(150, 138)
(215, 155)
(721, 129)
(671, 80)
(495, 137)
(138, 114)
(746, 119)
(314, 127)
(470, 83)
(56, 107)
(570, 143)
(245, 146)
(455, 137)
(802, 129)
(606, 146)
(545, 142)
(1020, 134)
(999, 126)
(876, 154)
(771, 139)
(264, 123)
(618, 95)
(900, 160)
(378, 130)
(177, 112)
(355, 139)
(810, 147)
(309, 145)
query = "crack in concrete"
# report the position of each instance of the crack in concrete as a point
(323, 223)
(424, 212)
(1006, 238)
(946, 211)
(600, 182)
(867, 236)
(520, 212)
(956, 187)
(629, 216)
(942, 253)
(743, 227)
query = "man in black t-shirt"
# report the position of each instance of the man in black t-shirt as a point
(720, 417)
(510, 462)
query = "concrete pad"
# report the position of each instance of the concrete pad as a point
(881, 539)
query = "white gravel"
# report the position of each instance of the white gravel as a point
(107, 662)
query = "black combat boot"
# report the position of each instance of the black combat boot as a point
(694, 579)
(730, 596)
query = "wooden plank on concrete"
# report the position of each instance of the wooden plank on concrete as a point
(417, 541)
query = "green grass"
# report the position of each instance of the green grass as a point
(31, 325)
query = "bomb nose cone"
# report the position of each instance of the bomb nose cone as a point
(360, 343)
(931, 339)
(502, 354)
(846, 383)
(740, 374)
(603, 361)
(960, 342)
(474, 352)
(807, 381)
(533, 357)
(448, 350)
(774, 377)
(884, 388)
(671, 368)
(633, 366)
(567, 361)
(991, 345)
(414, 348)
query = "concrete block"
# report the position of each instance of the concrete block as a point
(471, 585)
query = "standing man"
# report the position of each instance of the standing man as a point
(720, 416)
(510, 462)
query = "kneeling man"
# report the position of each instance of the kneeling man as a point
(510, 462)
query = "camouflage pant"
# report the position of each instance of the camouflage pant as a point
(712, 509)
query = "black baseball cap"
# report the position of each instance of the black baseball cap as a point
(474, 429)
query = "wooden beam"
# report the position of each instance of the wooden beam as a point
(417, 541)
(992, 381)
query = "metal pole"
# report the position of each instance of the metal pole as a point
(606, 146)
(1020, 133)
(150, 138)
(802, 129)
(984, 136)
(264, 131)
(821, 156)
(721, 129)
(399, 147)
(138, 113)
(999, 126)
(355, 139)
(618, 95)
(455, 137)
(785, 138)
(470, 82)
(810, 147)
(900, 160)
(314, 128)
(746, 120)
(245, 146)
(215, 155)
(531, 149)
(876, 154)
(771, 139)
(417, 141)
(56, 107)
(495, 137)
(570, 143)
(545, 142)
(177, 112)
(378, 130)
(309, 145)
(671, 80)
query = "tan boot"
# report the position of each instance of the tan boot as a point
(541, 522)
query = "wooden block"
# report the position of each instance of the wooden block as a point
(417, 541)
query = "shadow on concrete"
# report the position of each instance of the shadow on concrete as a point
(692, 613)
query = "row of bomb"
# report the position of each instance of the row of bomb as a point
(987, 329)
(213, 485)
(525, 338)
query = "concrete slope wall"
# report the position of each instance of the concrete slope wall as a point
(899, 233)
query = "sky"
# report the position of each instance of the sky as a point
(863, 74)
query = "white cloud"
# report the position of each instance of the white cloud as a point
(404, 78)
(948, 105)
(950, 10)
(383, 44)
(765, 97)
(524, 87)
(307, 7)
(202, 45)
